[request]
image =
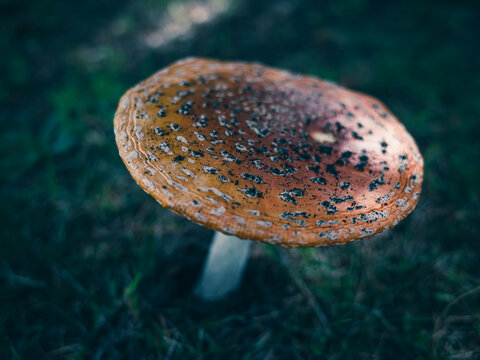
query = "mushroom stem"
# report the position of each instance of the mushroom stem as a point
(223, 269)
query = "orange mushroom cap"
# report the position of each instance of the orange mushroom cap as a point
(267, 155)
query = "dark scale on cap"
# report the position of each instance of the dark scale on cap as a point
(251, 177)
(316, 158)
(287, 170)
(330, 208)
(339, 126)
(240, 147)
(291, 195)
(154, 98)
(343, 160)
(186, 108)
(302, 214)
(210, 170)
(383, 198)
(297, 192)
(332, 170)
(286, 196)
(302, 157)
(229, 157)
(201, 121)
(196, 154)
(318, 180)
(258, 163)
(315, 169)
(276, 143)
(356, 136)
(294, 217)
(384, 145)
(223, 178)
(325, 150)
(344, 185)
(251, 192)
(362, 162)
(338, 200)
(162, 112)
(403, 163)
(376, 183)
(262, 150)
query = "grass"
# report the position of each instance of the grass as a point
(92, 268)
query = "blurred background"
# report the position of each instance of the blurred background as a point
(93, 268)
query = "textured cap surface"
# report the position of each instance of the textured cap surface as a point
(266, 155)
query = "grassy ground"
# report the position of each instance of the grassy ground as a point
(92, 268)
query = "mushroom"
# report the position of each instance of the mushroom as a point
(262, 154)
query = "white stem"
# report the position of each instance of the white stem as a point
(223, 269)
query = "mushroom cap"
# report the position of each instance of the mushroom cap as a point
(264, 154)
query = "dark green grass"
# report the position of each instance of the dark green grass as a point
(92, 268)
